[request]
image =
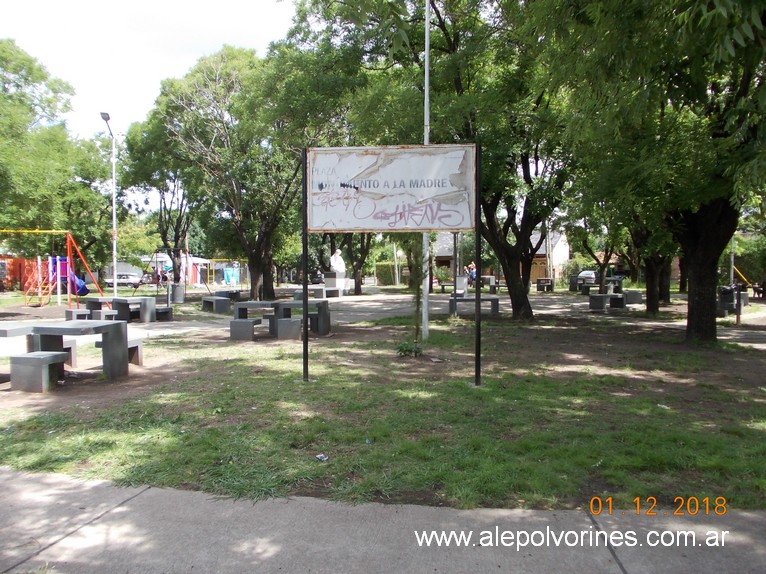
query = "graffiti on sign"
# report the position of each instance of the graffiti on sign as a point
(396, 188)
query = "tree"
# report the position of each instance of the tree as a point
(154, 166)
(47, 179)
(691, 68)
(483, 90)
(241, 178)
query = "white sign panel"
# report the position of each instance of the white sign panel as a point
(392, 188)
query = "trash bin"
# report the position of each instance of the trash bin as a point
(176, 292)
(573, 283)
(726, 301)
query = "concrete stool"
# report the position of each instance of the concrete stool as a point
(242, 329)
(37, 372)
(216, 304)
(289, 328)
(72, 314)
(135, 351)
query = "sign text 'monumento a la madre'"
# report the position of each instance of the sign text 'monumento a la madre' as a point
(391, 188)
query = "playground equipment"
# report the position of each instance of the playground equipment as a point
(228, 272)
(41, 278)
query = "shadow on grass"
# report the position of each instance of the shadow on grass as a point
(567, 411)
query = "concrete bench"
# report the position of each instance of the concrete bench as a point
(70, 348)
(598, 301)
(164, 313)
(633, 297)
(135, 351)
(231, 295)
(445, 285)
(216, 304)
(289, 328)
(38, 371)
(488, 281)
(544, 285)
(617, 301)
(75, 314)
(319, 323)
(103, 314)
(315, 292)
(493, 301)
(243, 329)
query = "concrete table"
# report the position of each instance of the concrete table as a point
(270, 311)
(148, 308)
(19, 330)
(114, 338)
(96, 303)
(242, 308)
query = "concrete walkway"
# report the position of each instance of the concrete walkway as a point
(52, 523)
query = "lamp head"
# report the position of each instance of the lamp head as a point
(105, 116)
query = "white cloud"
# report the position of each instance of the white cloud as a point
(116, 54)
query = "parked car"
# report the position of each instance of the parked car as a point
(316, 277)
(125, 279)
(588, 276)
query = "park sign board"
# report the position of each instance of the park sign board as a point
(391, 188)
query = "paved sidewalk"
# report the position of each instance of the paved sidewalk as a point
(52, 523)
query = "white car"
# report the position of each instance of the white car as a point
(126, 279)
(588, 276)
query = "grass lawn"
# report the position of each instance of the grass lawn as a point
(568, 409)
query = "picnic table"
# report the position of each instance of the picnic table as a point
(242, 309)
(18, 330)
(96, 303)
(114, 338)
(276, 311)
(319, 320)
(147, 308)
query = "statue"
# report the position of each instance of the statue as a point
(336, 262)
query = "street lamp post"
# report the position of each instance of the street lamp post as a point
(106, 118)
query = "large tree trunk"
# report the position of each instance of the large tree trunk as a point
(665, 271)
(254, 269)
(683, 279)
(703, 235)
(652, 265)
(175, 257)
(517, 288)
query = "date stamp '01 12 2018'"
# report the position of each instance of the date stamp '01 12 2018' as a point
(684, 506)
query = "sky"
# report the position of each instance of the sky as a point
(115, 54)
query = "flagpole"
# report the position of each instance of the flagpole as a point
(426, 141)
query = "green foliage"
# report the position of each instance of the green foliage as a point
(750, 258)
(385, 273)
(409, 349)
(443, 274)
(47, 180)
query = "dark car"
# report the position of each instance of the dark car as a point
(316, 277)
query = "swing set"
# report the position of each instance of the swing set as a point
(41, 278)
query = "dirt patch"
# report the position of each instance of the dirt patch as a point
(564, 349)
